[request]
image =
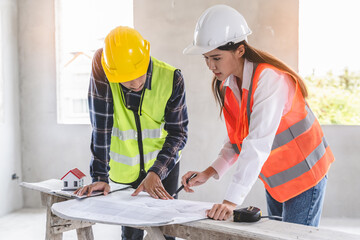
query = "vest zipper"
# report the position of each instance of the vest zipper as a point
(142, 173)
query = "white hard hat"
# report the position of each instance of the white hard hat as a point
(217, 26)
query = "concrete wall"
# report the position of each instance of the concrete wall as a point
(343, 191)
(11, 196)
(49, 149)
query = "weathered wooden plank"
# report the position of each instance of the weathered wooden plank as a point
(154, 233)
(208, 229)
(71, 226)
(85, 233)
(263, 230)
(50, 235)
(55, 226)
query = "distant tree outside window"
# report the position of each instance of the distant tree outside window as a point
(329, 52)
(335, 98)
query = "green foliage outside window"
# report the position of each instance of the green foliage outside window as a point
(335, 99)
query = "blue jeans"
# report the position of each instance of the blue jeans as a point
(170, 184)
(303, 209)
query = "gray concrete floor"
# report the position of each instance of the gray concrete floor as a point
(29, 224)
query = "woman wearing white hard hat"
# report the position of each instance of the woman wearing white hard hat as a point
(272, 132)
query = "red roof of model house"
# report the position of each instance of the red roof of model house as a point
(76, 172)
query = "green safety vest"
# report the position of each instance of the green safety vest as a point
(138, 137)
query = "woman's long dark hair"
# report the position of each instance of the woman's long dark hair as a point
(256, 56)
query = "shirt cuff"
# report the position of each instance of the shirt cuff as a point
(236, 193)
(160, 169)
(100, 179)
(221, 166)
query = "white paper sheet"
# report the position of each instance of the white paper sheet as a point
(55, 186)
(123, 209)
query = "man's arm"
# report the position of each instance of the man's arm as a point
(101, 117)
(176, 121)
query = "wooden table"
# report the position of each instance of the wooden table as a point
(55, 226)
(199, 230)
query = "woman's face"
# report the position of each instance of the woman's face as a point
(224, 63)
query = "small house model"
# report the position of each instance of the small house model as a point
(73, 179)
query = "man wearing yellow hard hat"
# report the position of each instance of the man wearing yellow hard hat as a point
(139, 119)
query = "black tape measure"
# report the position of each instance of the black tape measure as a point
(250, 214)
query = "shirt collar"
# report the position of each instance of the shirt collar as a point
(149, 76)
(247, 74)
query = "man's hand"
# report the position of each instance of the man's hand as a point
(96, 186)
(153, 186)
(221, 211)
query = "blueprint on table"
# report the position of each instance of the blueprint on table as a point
(123, 209)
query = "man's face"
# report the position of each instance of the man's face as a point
(135, 85)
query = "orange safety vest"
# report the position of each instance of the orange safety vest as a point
(300, 156)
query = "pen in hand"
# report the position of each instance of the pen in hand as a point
(182, 186)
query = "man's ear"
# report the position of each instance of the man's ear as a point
(240, 51)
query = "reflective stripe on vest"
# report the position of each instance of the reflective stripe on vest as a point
(295, 130)
(299, 157)
(132, 134)
(299, 169)
(132, 161)
(125, 146)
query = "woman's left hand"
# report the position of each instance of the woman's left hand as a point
(221, 211)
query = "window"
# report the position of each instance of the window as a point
(65, 184)
(81, 27)
(1, 79)
(75, 183)
(328, 58)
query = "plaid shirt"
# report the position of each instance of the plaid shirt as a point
(101, 116)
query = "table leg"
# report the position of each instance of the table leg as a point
(85, 233)
(154, 233)
(48, 200)
(55, 226)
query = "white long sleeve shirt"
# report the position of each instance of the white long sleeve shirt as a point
(272, 99)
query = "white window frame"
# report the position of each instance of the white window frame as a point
(81, 27)
(2, 110)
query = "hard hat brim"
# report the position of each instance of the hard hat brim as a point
(199, 50)
(196, 50)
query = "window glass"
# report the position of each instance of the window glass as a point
(328, 58)
(1, 78)
(81, 27)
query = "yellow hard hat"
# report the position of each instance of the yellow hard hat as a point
(126, 55)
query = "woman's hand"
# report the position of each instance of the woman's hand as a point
(95, 186)
(201, 178)
(153, 186)
(221, 211)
